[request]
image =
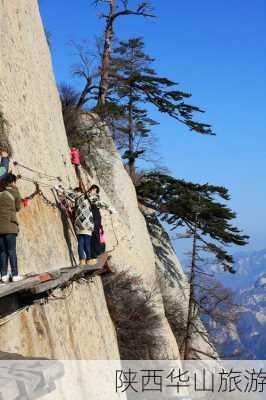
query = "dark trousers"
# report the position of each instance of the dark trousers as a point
(8, 251)
(4, 167)
(97, 247)
(84, 247)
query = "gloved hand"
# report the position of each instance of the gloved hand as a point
(59, 188)
(112, 210)
(25, 202)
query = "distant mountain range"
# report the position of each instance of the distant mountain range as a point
(246, 337)
(249, 266)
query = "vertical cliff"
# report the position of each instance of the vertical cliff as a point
(128, 237)
(36, 134)
(174, 287)
(31, 106)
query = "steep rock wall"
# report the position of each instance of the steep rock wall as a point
(75, 328)
(30, 103)
(127, 233)
(174, 287)
(80, 326)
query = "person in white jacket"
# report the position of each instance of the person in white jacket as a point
(84, 220)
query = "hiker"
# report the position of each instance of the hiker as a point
(75, 160)
(97, 245)
(75, 156)
(83, 220)
(10, 204)
(4, 164)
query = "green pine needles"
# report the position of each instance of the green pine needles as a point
(197, 208)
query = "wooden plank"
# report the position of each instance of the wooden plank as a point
(105, 262)
(46, 281)
(28, 283)
(45, 277)
(51, 285)
(63, 279)
(67, 269)
(108, 267)
(15, 287)
(102, 259)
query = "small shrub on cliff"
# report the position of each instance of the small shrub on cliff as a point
(69, 99)
(177, 319)
(135, 313)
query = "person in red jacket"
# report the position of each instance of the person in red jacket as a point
(75, 156)
(75, 160)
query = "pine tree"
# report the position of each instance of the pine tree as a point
(177, 201)
(207, 221)
(133, 83)
(132, 70)
(129, 62)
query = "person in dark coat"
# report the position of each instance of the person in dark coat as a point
(10, 204)
(97, 247)
(87, 221)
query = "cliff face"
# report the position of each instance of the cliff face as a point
(30, 103)
(127, 233)
(174, 287)
(78, 326)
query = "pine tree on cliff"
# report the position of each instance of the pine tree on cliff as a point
(177, 202)
(129, 62)
(207, 221)
(134, 83)
(115, 10)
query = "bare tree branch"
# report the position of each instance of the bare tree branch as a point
(133, 12)
(143, 9)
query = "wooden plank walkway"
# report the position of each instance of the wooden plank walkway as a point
(51, 280)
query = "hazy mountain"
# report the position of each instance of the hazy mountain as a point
(249, 266)
(245, 338)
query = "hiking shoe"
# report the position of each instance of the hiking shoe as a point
(5, 278)
(17, 278)
(92, 262)
(82, 262)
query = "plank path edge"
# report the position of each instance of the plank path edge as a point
(58, 277)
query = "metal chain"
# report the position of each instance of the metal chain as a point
(51, 177)
(47, 201)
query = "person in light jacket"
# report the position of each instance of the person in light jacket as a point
(10, 204)
(84, 221)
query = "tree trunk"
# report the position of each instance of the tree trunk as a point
(104, 82)
(131, 160)
(192, 302)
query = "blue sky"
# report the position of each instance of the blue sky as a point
(215, 50)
